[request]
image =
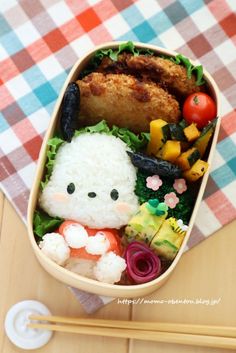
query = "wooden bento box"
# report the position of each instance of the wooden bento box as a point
(73, 279)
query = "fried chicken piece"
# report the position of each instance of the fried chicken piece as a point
(124, 101)
(169, 75)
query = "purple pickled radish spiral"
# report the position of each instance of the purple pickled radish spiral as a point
(143, 265)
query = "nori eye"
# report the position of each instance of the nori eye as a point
(71, 188)
(92, 194)
(114, 194)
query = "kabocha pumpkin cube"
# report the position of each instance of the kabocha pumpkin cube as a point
(176, 132)
(191, 132)
(202, 142)
(171, 150)
(159, 132)
(196, 171)
(188, 158)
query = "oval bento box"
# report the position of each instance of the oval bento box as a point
(73, 279)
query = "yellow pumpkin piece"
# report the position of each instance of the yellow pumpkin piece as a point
(202, 142)
(188, 158)
(171, 151)
(191, 132)
(196, 171)
(158, 135)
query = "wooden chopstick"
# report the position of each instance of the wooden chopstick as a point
(224, 331)
(157, 336)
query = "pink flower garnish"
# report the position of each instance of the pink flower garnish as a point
(153, 182)
(171, 200)
(180, 185)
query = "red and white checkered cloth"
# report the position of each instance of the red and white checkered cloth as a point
(42, 39)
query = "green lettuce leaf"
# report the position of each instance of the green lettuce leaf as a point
(135, 142)
(197, 70)
(43, 223)
(53, 146)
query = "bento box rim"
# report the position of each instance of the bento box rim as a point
(42, 155)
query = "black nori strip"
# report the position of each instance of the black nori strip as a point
(70, 111)
(154, 165)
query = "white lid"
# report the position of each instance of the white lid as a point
(16, 322)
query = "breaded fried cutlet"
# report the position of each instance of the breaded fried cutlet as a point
(124, 101)
(167, 74)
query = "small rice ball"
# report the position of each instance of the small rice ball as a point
(97, 244)
(76, 236)
(82, 267)
(55, 247)
(109, 268)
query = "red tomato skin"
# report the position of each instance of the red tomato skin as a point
(199, 108)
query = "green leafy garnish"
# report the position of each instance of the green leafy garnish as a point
(128, 47)
(197, 70)
(53, 146)
(43, 223)
(135, 142)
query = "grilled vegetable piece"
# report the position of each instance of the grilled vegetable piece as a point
(202, 142)
(159, 133)
(154, 165)
(171, 150)
(191, 132)
(188, 158)
(168, 239)
(197, 171)
(70, 111)
(176, 132)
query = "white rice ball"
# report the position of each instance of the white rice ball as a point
(55, 247)
(82, 267)
(99, 168)
(109, 268)
(76, 236)
(97, 244)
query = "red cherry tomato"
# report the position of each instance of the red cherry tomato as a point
(199, 108)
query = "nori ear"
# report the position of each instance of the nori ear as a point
(154, 165)
(70, 111)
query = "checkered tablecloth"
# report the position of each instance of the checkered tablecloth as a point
(42, 39)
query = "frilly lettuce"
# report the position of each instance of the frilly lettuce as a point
(43, 223)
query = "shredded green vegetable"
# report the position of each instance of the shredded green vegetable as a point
(183, 209)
